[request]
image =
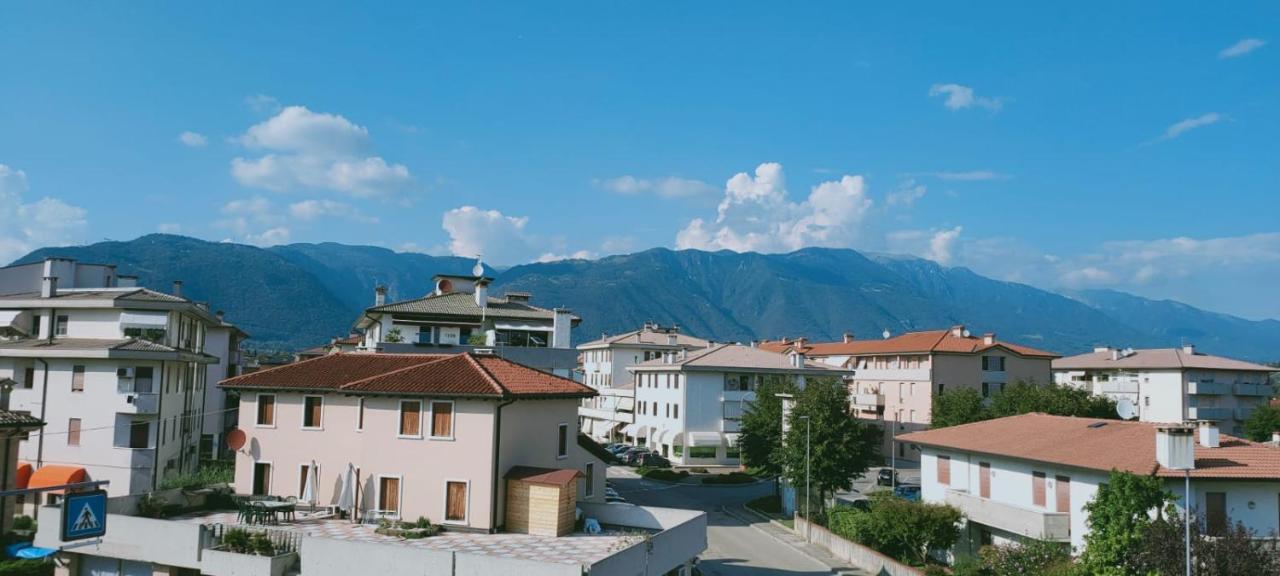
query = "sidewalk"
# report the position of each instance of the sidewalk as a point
(789, 538)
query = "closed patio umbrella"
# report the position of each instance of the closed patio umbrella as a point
(313, 482)
(347, 495)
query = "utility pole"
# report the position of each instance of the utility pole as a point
(807, 489)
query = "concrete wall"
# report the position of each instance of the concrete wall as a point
(132, 538)
(855, 554)
(682, 537)
(326, 557)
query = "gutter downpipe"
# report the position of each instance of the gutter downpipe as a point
(497, 445)
(155, 463)
(44, 405)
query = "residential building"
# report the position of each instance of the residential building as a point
(1171, 384)
(482, 446)
(117, 371)
(895, 378)
(459, 315)
(604, 365)
(223, 340)
(15, 427)
(689, 405)
(1030, 476)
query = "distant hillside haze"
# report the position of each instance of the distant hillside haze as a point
(300, 295)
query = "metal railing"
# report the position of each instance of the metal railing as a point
(282, 541)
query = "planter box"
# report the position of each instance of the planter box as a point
(223, 563)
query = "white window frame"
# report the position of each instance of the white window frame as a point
(563, 426)
(303, 421)
(377, 497)
(257, 410)
(400, 411)
(453, 420)
(360, 414)
(444, 510)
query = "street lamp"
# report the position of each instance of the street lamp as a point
(806, 468)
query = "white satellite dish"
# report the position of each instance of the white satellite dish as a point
(1125, 409)
(885, 334)
(478, 269)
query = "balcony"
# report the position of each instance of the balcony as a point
(1207, 387)
(140, 403)
(1029, 522)
(868, 401)
(1208, 413)
(606, 414)
(730, 426)
(1244, 412)
(1253, 389)
(909, 374)
(1119, 387)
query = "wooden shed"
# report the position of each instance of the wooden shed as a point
(541, 501)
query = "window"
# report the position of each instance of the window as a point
(73, 432)
(455, 504)
(986, 389)
(149, 334)
(77, 378)
(389, 494)
(1037, 488)
(359, 414)
(944, 470)
(993, 363)
(562, 441)
(139, 434)
(590, 474)
(941, 387)
(29, 378)
(35, 325)
(442, 419)
(702, 451)
(266, 409)
(675, 411)
(738, 382)
(143, 377)
(312, 411)
(1215, 506)
(60, 327)
(261, 478)
(668, 410)
(411, 418)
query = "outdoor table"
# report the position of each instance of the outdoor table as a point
(276, 508)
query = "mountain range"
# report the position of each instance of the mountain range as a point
(299, 295)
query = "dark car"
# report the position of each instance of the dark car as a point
(652, 460)
(632, 457)
(886, 477)
(909, 492)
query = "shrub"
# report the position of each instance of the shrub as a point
(149, 506)
(903, 530)
(24, 523)
(699, 470)
(210, 474)
(663, 474)
(730, 478)
(18, 567)
(1032, 557)
(262, 545)
(236, 540)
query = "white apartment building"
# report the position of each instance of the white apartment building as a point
(895, 378)
(223, 340)
(605, 364)
(689, 405)
(1171, 384)
(1029, 476)
(117, 372)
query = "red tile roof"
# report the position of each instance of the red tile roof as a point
(943, 341)
(1082, 443)
(464, 374)
(549, 476)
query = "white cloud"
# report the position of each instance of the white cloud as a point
(1184, 126)
(937, 245)
(959, 97)
(757, 215)
(668, 187)
(256, 220)
(169, 228)
(306, 149)
(312, 209)
(497, 237)
(28, 226)
(971, 176)
(192, 139)
(1241, 48)
(579, 255)
(906, 194)
(262, 104)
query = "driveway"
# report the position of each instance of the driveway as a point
(734, 546)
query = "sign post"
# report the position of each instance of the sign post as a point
(84, 515)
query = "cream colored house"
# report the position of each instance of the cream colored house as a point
(428, 435)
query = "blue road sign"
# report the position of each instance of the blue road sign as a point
(84, 515)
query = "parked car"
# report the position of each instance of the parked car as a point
(861, 503)
(652, 460)
(615, 447)
(886, 477)
(632, 457)
(909, 492)
(612, 499)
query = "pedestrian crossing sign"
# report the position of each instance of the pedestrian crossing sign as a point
(84, 515)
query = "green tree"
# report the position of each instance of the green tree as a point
(1238, 550)
(1264, 420)
(901, 529)
(761, 429)
(841, 446)
(1025, 397)
(1119, 516)
(958, 407)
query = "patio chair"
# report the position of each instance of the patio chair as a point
(262, 514)
(289, 512)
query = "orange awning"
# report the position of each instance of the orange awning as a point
(23, 476)
(53, 475)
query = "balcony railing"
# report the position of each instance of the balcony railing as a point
(1121, 387)
(1244, 412)
(1207, 387)
(917, 374)
(1029, 522)
(868, 401)
(1209, 413)
(1243, 389)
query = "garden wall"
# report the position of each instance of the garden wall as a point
(855, 554)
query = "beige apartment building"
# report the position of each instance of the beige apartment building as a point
(428, 435)
(895, 378)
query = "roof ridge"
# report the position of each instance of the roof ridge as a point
(271, 369)
(432, 360)
(502, 390)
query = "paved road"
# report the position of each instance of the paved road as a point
(733, 546)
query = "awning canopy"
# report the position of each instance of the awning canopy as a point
(731, 439)
(139, 319)
(703, 438)
(10, 322)
(55, 475)
(586, 426)
(627, 403)
(23, 476)
(662, 436)
(637, 430)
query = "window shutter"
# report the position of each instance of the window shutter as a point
(442, 419)
(944, 470)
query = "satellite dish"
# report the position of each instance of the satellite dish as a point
(1125, 409)
(965, 333)
(235, 439)
(885, 334)
(478, 269)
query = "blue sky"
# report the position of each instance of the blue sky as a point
(1117, 145)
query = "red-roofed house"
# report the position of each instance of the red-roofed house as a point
(429, 434)
(896, 377)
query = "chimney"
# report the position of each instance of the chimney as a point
(671, 339)
(800, 342)
(49, 287)
(1176, 447)
(560, 327)
(379, 295)
(989, 338)
(957, 331)
(219, 315)
(1275, 437)
(127, 281)
(1101, 349)
(177, 288)
(482, 294)
(848, 337)
(797, 359)
(1209, 435)
(1115, 354)
(1189, 349)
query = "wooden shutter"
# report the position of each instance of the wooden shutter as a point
(984, 479)
(456, 502)
(944, 470)
(266, 409)
(389, 494)
(1037, 488)
(77, 378)
(1063, 492)
(73, 432)
(314, 406)
(1215, 507)
(29, 378)
(442, 419)
(409, 418)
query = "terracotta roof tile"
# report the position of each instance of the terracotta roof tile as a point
(1156, 358)
(928, 341)
(1080, 442)
(329, 371)
(550, 476)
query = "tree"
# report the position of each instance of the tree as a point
(958, 407)
(760, 440)
(1119, 516)
(841, 446)
(1236, 551)
(901, 529)
(1025, 397)
(1264, 420)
